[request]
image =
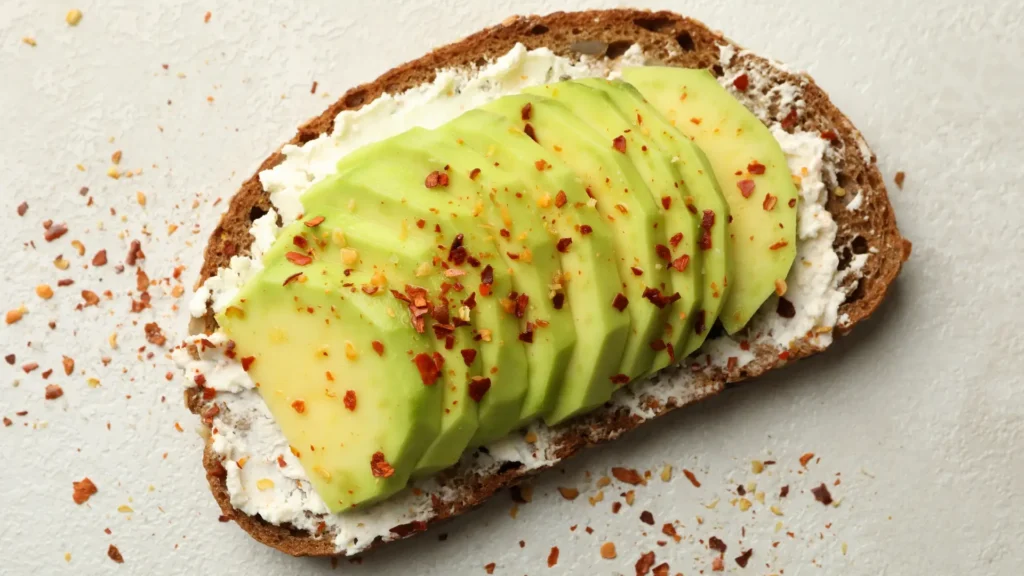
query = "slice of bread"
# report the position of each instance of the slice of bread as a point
(672, 40)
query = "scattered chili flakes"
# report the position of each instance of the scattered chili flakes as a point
(135, 253)
(755, 167)
(154, 335)
(299, 406)
(114, 554)
(22, 208)
(69, 365)
(628, 476)
(247, 362)
(53, 392)
(608, 550)
(489, 568)
(670, 530)
(379, 466)
(314, 222)
(620, 302)
(680, 264)
(899, 179)
(716, 544)
(435, 179)
(619, 143)
(804, 459)
(647, 518)
(742, 82)
(717, 565)
(478, 386)
(83, 490)
(620, 379)
(643, 565)
(560, 199)
(691, 477)
(789, 122)
(378, 347)
(666, 202)
(778, 245)
(743, 558)
(55, 231)
(568, 493)
(563, 244)
(429, 371)
(585, 229)
(553, 557)
(663, 252)
(746, 187)
(298, 259)
(350, 400)
(8, 421)
(784, 491)
(468, 356)
(528, 130)
(821, 494)
(655, 296)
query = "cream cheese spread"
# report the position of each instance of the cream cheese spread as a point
(265, 479)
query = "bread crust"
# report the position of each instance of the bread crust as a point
(666, 36)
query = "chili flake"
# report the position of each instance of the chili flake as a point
(528, 130)
(299, 406)
(769, 202)
(478, 386)
(627, 475)
(742, 82)
(663, 252)
(380, 467)
(429, 371)
(560, 199)
(378, 347)
(314, 222)
(563, 244)
(619, 379)
(468, 356)
(821, 494)
(620, 302)
(619, 143)
(746, 187)
(349, 400)
(526, 112)
(585, 229)
(247, 362)
(681, 263)
(298, 259)
(666, 202)
(53, 392)
(83, 490)
(435, 179)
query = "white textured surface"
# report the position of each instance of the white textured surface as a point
(920, 411)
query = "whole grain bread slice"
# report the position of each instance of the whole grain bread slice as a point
(673, 40)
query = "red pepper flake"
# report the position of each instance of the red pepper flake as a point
(658, 345)
(53, 392)
(314, 222)
(134, 253)
(489, 568)
(743, 558)
(790, 120)
(100, 258)
(522, 301)
(661, 569)
(468, 356)
(806, 458)
(620, 302)
(663, 252)
(558, 300)
(11, 359)
(29, 367)
(585, 229)
(247, 362)
(541, 165)
(438, 360)
(716, 544)
(670, 530)
(349, 400)
(90, 297)
(778, 245)
(112, 552)
(429, 371)
(637, 271)
(471, 301)
(821, 494)
(526, 112)
(435, 179)
(54, 231)
(681, 263)
(528, 129)
(784, 491)
(666, 202)
(379, 466)
(792, 202)
(487, 278)
(154, 335)
(829, 135)
(208, 393)
(746, 187)
(627, 476)
(563, 244)
(643, 565)
(560, 199)
(675, 239)
(553, 557)
(742, 82)
(647, 518)
(699, 322)
(292, 278)
(298, 259)
(731, 363)
(299, 406)
(784, 355)
(769, 202)
(785, 308)
(378, 347)
(478, 386)
(22, 208)
(707, 219)
(619, 143)
(83, 490)
(654, 296)
(409, 528)
(755, 167)
(690, 476)
(472, 176)
(696, 121)
(421, 223)
(899, 179)
(527, 336)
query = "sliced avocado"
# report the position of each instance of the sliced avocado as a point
(622, 200)
(597, 107)
(700, 195)
(316, 346)
(531, 253)
(751, 170)
(590, 275)
(375, 230)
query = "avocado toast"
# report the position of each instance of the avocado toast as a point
(866, 243)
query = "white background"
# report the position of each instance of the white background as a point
(919, 413)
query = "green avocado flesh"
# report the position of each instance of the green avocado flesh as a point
(445, 288)
(751, 170)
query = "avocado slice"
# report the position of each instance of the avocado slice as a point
(622, 200)
(590, 275)
(316, 346)
(598, 108)
(380, 233)
(751, 170)
(700, 195)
